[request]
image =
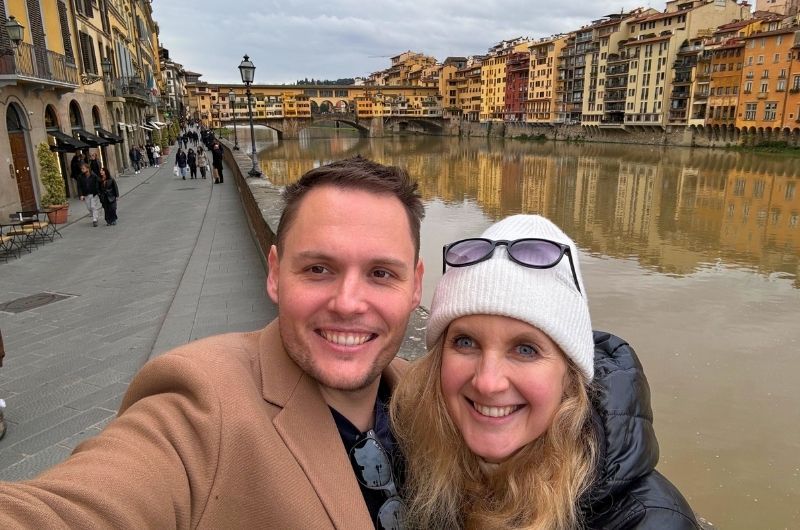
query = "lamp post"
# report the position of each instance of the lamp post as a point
(247, 69)
(105, 66)
(15, 32)
(232, 103)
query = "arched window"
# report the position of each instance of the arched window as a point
(13, 121)
(96, 117)
(50, 118)
(75, 117)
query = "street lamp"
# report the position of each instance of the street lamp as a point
(247, 69)
(15, 33)
(232, 103)
(105, 66)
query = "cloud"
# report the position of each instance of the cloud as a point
(291, 40)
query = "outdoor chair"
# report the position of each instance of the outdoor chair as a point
(38, 221)
(8, 243)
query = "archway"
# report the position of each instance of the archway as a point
(51, 125)
(17, 138)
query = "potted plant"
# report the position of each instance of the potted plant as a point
(55, 196)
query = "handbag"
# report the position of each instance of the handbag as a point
(176, 171)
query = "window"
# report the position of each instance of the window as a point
(770, 109)
(760, 59)
(781, 87)
(64, 21)
(87, 53)
(748, 87)
(758, 190)
(738, 187)
(764, 86)
(750, 111)
(789, 195)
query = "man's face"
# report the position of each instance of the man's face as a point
(85, 169)
(345, 284)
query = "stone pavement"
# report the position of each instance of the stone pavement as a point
(179, 265)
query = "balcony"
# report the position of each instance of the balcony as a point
(762, 95)
(32, 65)
(132, 89)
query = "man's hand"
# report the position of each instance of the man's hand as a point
(83, 197)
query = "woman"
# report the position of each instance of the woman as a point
(202, 161)
(518, 417)
(157, 155)
(191, 159)
(109, 193)
(181, 163)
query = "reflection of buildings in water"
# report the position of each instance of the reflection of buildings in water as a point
(674, 210)
(761, 216)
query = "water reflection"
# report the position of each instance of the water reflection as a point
(676, 211)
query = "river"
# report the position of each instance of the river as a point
(691, 255)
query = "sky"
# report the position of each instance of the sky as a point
(289, 40)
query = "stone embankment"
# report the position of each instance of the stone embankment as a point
(632, 134)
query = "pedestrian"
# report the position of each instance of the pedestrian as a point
(142, 155)
(273, 428)
(216, 161)
(94, 164)
(149, 149)
(520, 416)
(202, 161)
(88, 188)
(136, 158)
(191, 159)
(181, 164)
(75, 165)
(157, 155)
(2, 402)
(109, 195)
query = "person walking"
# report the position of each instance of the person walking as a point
(136, 159)
(75, 165)
(157, 155)
(88, 188)
(109, 193)
(191, 159)
(149, 150)
(216, 161)
(202, 161)
(181, 163)
(94, 164)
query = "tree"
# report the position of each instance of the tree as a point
(55, 192)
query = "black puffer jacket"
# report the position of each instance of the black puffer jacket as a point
(628, 491)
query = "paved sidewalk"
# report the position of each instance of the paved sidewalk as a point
(179, 265)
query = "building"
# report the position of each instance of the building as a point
(781, 7)
(174, 95)
(493, 77)
(768, 63)
(542, 79)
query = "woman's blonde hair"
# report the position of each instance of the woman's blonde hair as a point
(447, 486)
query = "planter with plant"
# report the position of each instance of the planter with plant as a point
(55, 194)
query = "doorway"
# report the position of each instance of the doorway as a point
(19, 156)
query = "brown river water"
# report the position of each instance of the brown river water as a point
(690, 255)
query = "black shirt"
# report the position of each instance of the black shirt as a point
(350, 435)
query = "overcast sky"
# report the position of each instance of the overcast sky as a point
(289, 40)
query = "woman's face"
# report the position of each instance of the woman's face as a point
(102, 173)
(502, 381)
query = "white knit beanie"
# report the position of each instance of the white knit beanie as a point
(544, 298)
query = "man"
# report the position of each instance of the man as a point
(216, 161)
(88, 188)
(94, 164)
(136, 158)
(248, 430)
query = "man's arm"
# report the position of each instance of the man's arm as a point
(152, 467)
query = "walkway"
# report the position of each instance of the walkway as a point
(179, 265)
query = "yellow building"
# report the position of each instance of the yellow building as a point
(543, 78)
(493, 78)
(467, 87)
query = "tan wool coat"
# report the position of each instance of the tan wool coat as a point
(225, 432)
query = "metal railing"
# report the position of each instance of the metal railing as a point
(38, 63)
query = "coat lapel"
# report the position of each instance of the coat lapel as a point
(307, 428)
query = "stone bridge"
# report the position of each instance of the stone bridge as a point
(289, 128)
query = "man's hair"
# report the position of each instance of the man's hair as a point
(358, 174)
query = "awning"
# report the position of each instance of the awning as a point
(147, 127)
(91, 139)
(111, 137)
(66, 144)
(153, 125)
(161, 123)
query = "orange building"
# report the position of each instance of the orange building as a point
(791, 119)
(767, 62)
(725, 82)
